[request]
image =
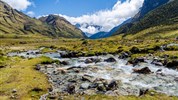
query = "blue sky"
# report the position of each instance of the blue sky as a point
(73, 8)
(87, 13)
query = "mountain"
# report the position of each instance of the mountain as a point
(110, 33)
(162, 12)
(61, 26)
(15, 22)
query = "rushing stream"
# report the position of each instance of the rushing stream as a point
(161, 79)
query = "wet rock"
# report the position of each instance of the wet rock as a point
(112, 85)
(141, 59)
(74, 67)
(69, 54)
(159, 70)
(87, 78)
(92, 60)
(144, 70)
(176, 79)
(87, 61)
(111, 93)
(134, 50)
(172, 64)
(135, 61)
(101, 87)
(124, 55)
(71, 89)
(143, 92)
(157, 62)
(37, 67)
(90, 92)
(93, 85)
(64, 63)
(84, 86)
(111, 59)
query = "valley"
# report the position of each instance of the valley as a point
(50, 58)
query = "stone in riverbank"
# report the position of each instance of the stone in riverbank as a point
(144, 70)
(111, 59)
(173, 64)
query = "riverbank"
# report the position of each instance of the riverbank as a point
(81, 47)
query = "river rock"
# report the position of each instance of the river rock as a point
(89, 60)
(64, 63)
(38, 67)
(176, 79)
(93, 85)
(84, 86)
(101, 87)
(134, 50)
(157, 62)
(90, 92)
(71, 89)
(144, 70)
(112, 85)
(143, 92)
(173, 64)
(87, 78)
(111, 59)
(92, 60)
(135, 61)
(124, 55)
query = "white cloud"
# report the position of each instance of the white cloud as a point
(31, 13)
(18, 4)
(107, 19)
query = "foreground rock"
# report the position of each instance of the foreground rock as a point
(111, 59)
(144, 70)
(173, 64)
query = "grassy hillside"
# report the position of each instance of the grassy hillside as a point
(15, 22)
(164, 15)
(61, 26)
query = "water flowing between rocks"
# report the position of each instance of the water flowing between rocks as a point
(78, 75)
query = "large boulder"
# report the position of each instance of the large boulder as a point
(111, 59)
(144, 70)
(134, 50)
(173, 64)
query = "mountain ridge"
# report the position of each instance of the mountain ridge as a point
(15, 22)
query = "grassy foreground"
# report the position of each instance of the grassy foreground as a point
(18, 75)
(19, 80)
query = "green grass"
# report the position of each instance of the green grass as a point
(22, 76)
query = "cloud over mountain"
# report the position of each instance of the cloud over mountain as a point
(107, 19)
(18, 4)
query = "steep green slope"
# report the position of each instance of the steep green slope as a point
(61, 26)
(164, 15)
(15, 22)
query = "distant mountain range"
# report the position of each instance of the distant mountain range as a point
(152, 13)
(15, 22)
